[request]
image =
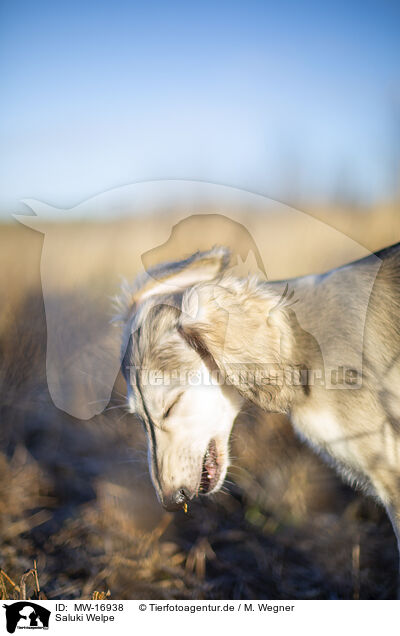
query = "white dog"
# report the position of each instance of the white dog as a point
(199, 343)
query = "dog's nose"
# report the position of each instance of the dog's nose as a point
(176, 500)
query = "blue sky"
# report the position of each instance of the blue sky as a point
(279, 98)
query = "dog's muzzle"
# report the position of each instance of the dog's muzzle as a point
(176, 500)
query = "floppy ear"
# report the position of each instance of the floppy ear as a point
(244, 332)
(174, 277)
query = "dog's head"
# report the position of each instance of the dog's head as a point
(178, 369)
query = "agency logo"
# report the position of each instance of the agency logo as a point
(26, 615)
(84, 353)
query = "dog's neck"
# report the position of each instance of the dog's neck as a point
(287, 383)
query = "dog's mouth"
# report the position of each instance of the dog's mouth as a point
(211, 470)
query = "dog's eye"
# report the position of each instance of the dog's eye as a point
(172, 406)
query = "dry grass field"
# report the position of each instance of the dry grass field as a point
(76, 496)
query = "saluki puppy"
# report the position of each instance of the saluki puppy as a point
(325, 349)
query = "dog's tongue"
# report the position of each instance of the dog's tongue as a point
(210, 461)
(210, 468)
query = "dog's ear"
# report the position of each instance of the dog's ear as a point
(177, 276)
(174, 277)
(240, 329)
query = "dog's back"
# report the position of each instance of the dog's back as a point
(382, 333)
